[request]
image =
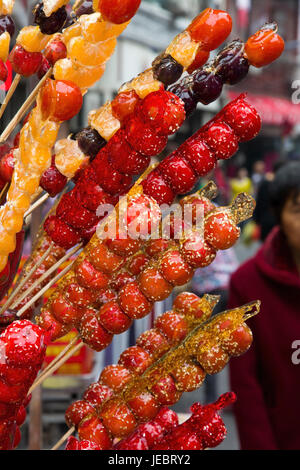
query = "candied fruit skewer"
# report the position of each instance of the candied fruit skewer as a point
(209, 346)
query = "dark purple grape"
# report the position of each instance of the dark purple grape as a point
(166, 69)
(90, 141)
(231, 65)
(7, 24)
(50, 24)
(185, 92)
(207, 86)
(86, 8)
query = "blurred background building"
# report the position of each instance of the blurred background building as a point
(270, 89)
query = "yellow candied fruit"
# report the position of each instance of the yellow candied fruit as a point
(104, 122)
(11, 221)
(20, 201)
(84, 77)
(4, 45)
(183, 49)
(7, 242)
(3, 262)
(7, 7)
(96, 30)
(145, 83)
(32, 39)
(50, 6)
(71, 32)
(91, 55)
(68, 157)
(29, 184)
(37, 158)
(45, 134)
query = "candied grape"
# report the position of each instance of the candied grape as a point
(50, 24)
(231, 65)
(185, 92)
(90, 141)
(166, 69)
(207, 86)
(7, 24)
(86, 8)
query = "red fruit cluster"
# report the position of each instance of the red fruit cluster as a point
(104, 409)
(144, 133)
(22, 351)
(218, 139)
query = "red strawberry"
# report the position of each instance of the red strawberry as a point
(154, 185)
(162, 111)
(76, 412)
(122, 156)
(7, 164)
(60, 232)
(93, 429)
(244, 120)
(134, 442)
(96, 394)
(142, 139)
(222, 140)
(72, 443)
(118, 418)
(52, 180)
(90, 194)
(109, 179)
(89, 445)
(177, 173)
(73, 212)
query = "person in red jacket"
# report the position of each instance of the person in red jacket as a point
(267, 378)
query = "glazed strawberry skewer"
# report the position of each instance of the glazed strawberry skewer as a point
(208, 346)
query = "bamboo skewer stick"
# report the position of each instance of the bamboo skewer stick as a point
(46, 274)
(24, 280)
(10, 93)
(36, 204)
(24, 108)
(56, 366)
(64, 438)
(42, 291)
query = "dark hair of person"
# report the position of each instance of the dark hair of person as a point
(286, 185)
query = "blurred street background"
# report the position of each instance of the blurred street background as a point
(269, 89)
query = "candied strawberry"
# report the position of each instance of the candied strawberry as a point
(49, 324)
(105, 295)
(135, 359)
(115, 377)
(153, 342)
(196, 251)
(90, 194)
(144, 406)
(134, 442)
(105, 260)
(93, 333)
(156, 247)
(78, 295)
(12, 394)
(25, 343)
(123, 247)
(153, 284)
(90, 277)
(244, 120)
(111, 180)
(73, 213)
(189, 304)
(124, 104)
(165, 391)
(177, 173)
(133, 301)
(87, 233)
(16, 375)
(222, 140)
(199, 156)
(7, 164)
(91, 428)
(79, 410)
(162, 111)
(173, 325)
(123, 157)
(72, 443)
(89, 445)
(155, 186)
(113, 319)
(21, 415)
(23, 62)
(96, 394)
(60, 232)
(142, 217)
(175, 269)
(118, 418)
(121, 280)
(220, 231)
(52, 180)
(167, 418)
(137, 263)
(143, 139)
(188, 377)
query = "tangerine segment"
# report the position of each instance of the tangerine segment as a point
(68, 157)
(4, 45)
(96, 30)
(7, 241)
(11, 220)
(183, 49)
(104, 121)
(32, 39)
(71, 32)
(38, 157)
(64, 69)
(85, 53)
(50, 6)
(45, 134)
(145, 83)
